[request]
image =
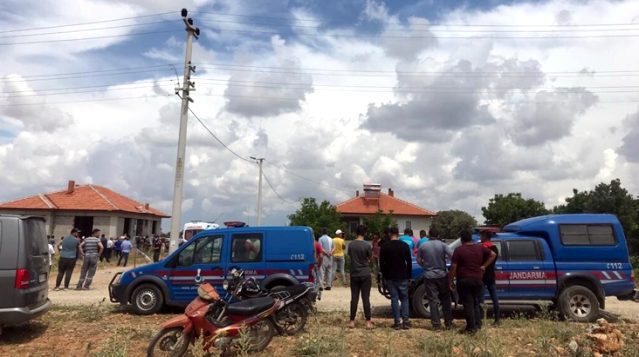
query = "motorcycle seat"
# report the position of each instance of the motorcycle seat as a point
(251, 306)
(293, 290)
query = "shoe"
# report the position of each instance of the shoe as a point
(87, 288)
(497, 323)
(321, 289)
(78, 288)
(57, 288)
(397, 327)
(436, 328)
(370, 325)
(406, 325)
(328, 288)
(351, 324)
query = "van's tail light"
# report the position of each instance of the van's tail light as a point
(311, 273)
(632, 275)
(22, 279)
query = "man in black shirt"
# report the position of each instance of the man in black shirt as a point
(489, 276)
(396, 266)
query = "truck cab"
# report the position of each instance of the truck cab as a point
(573, 261)
(275, 256)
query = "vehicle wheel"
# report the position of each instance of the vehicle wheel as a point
(260, 335)
(147, 299)
(292, 318)
(578, 303)
(168, 342)
(419, 302)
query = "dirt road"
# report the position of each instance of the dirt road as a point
(338, 299)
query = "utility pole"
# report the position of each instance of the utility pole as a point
(259, 192)
(187, 86)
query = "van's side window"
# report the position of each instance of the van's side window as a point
(587, 234)
(523, 250)
(202, 251)
(500, 250)
(246, 247)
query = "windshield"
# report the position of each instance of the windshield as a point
(189, 233)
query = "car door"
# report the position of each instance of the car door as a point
(528, 273)
(200, 260)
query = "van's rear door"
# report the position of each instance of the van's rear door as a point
(34, 258)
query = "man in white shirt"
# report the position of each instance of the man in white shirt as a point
(51, 255)
(326, 270)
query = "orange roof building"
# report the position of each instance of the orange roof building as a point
(87, 207)
(407, 215)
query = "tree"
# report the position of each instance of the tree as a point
(502, 210)
(316, 216)
(449, 224)
(377, 222)
(608, 198)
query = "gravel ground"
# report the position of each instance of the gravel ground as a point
(337, 299)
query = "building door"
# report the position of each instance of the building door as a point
(127, 226)
(85, 224)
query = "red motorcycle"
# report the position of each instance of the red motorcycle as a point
(219, 323)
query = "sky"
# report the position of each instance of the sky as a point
(445, 102)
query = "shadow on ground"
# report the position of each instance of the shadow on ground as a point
(16, 335)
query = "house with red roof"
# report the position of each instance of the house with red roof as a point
(406, 214)
(87, 207)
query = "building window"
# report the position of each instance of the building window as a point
(408, 225)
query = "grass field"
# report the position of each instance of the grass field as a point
(105, 331)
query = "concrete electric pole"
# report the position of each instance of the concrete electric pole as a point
(187, 86)
(259, 192)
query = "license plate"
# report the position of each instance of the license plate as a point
(42, 278)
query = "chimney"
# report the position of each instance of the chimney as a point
(357, 193)
(391, 192)
(146, 206)
(71, 186)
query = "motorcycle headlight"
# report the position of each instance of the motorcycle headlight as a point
(225, 284)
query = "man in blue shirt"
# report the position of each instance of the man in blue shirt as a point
(68, 256)
(422, 238)
(406, 238)
(326, 269)
(126, 249)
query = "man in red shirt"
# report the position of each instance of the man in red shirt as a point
(318, 261)
(469, 262)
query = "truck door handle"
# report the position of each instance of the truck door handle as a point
(499, 268)
(536, 268)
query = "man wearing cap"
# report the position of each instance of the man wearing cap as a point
(90, 249)
(68, 248)
(339, 247)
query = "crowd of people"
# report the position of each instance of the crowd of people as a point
(471, 273)
(89, 250)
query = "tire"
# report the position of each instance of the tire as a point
(578, 303)
(168, 342)
(419, 302)
(292, 318)
(147, 299)
(260, 335)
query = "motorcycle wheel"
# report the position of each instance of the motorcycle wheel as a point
(260, 335)
(168, 342)
(292, 318)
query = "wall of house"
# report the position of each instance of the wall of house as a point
(417, 223)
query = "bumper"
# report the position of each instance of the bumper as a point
(117, 292)
(633, 295)
(18, 315)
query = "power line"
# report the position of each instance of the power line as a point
(88, 91)
(87, 38)
(436, 24)
(85, 87)
(268, 182)
(218, 139)
(88, 23)
(81, 101)
(85, 30)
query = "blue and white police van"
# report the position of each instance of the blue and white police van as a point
(276, 256)
(573, 261)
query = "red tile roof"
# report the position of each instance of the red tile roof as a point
(385, 203)
(83, 198)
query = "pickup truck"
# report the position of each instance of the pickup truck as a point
(573, 261)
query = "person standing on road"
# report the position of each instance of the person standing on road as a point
(103, 241)
(423, 238)
(90, 250)
(408, 239)
(326, 270)
(489, 276)
(157, 248)
(51, 254)
(360, 253)
(432, 257)
(68, 250)
(126, 249)
(469, 262)
(395, 262)
(117, 246)
(109, 249)
(376, 242)
(339, 248)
